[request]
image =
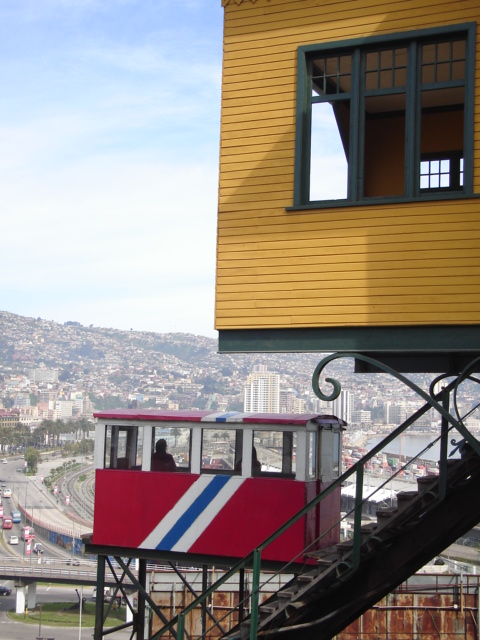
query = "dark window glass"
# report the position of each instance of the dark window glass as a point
(123, 447)
(221, 451)
(171, 448)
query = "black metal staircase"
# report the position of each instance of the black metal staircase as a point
(323, 601)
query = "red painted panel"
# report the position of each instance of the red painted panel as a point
(129, 504)
(322, 520)
(259, 507)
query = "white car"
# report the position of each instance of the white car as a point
(13, 540)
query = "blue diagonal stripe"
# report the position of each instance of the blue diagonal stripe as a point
(192, 513)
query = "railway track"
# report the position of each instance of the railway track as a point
(80, 486)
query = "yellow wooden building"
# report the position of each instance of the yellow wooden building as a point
(349, 211)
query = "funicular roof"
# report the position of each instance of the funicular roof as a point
(154, 415)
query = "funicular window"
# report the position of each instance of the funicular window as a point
(123, 447)
(312, 454)
(221, 451)
(337, 445)
(174, 442)
(276, 452)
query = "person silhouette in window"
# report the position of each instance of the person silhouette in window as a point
(256, 464)
(161, 460)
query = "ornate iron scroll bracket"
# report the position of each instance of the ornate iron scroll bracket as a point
(429, 398)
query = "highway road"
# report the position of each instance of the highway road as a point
(57, 563)
(32, 495)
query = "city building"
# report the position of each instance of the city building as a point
(64, 409)
(262, 391)
(395, 413)
(43, 375)
(287, 400)
(361, 418)
(343, 406)
(9, 418)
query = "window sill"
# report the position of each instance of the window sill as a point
(340, 204)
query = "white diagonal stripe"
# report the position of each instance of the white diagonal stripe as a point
(208, 514)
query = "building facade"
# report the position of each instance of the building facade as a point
(261, 393)
(349, 169)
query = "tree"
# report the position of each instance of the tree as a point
(33, 400)
(32, 456)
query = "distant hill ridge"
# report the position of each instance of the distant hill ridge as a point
(112, 362)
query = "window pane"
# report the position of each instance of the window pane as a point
(386, 69)
(122, 451)
(329, 147)
(384, 146)
(443, 61)
(441, 140)
(337, 470)
(176, 443)
(312, 454)
(276, 451)
(122, 444)
(108, 447)
(331, 75)
(138, 458)
(219, 450)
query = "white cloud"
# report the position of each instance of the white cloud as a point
(108, 158)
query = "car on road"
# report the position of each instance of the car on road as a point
(74, 562)
(5, 591)
(38, 548)
(7, 493)
(4, 461)
(13, 540)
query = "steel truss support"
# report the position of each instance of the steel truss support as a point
(127, 582)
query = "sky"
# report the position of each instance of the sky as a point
(109, 141)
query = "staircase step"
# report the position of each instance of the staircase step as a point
(306, 577)
(326, 562)
(344, 547)
(268, 608)
(385, 514)
(425, 483)
(406, 496)
(286, 594)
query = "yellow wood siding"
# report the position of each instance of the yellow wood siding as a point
(395, 264)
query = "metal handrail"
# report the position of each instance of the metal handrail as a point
(254, 557)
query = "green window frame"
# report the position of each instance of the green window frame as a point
(382, 103)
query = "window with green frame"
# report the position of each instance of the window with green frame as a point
(386, 117)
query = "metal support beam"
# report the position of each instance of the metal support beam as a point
(139, 622)
(204, 604)
(98, 629)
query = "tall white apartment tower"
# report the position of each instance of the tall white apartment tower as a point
(261, 393)
(343, 406)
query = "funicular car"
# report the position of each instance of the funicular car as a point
(236, 478)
